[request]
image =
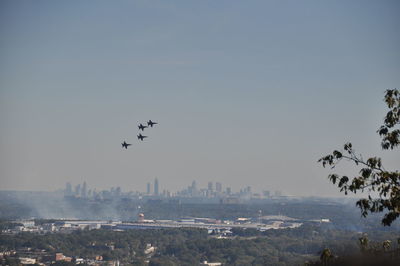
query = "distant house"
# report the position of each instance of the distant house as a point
(27, 260)
(61, 257)
(149, 249)
(211, 263)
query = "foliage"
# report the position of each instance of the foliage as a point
(372, 253)
(191, 246)
(373, 178)
(390, 136)
(364, 243)
(326, 256)
(10, 261)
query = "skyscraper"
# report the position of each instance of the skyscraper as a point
(148, 188)
(68, 189)
(266, 193)
(218, 187)
(84, 190)
(78, 190)
(193, 189)
(248, 190)
(210, 186)
(156, 187)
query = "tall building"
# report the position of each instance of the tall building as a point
(228, 190)
(248, 190)
(218, 187)
(156, 187)
(210, 186)
(193, 189)
(148, 188)
(78, 190)
(68, 189)
(118, 191)
(84, 190)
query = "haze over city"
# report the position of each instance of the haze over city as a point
(246, 94)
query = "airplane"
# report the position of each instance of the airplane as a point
(141, 137)
(125, 145)
(151, 123)
(141, 127)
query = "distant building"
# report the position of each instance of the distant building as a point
(68, 189)
(210, 186)
(193, 189)
(49, 227)
(148, 188)
(248, 190)
(140, 217)
(61, 257)
(211, 263)
(118, 191)
(78, 190)
(27, 261)
(230, 200)
(27, 223)
(149, 249)
(156, 187)
(243, 220)
(84, 190)
(218, 187)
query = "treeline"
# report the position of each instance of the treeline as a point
(191, 246)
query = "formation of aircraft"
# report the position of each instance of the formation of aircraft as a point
(140, 136)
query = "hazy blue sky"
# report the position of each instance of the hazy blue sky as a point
(246, 92)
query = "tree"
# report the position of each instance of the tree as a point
(326, 256)
(386, 245)
(373, 178)
(364, 243)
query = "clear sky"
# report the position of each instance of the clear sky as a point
(245, 92)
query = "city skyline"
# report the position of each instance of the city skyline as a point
(192, 190)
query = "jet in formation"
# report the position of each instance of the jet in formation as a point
(125, 145)
(141, 127)
(141, 137)
(151, 123)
